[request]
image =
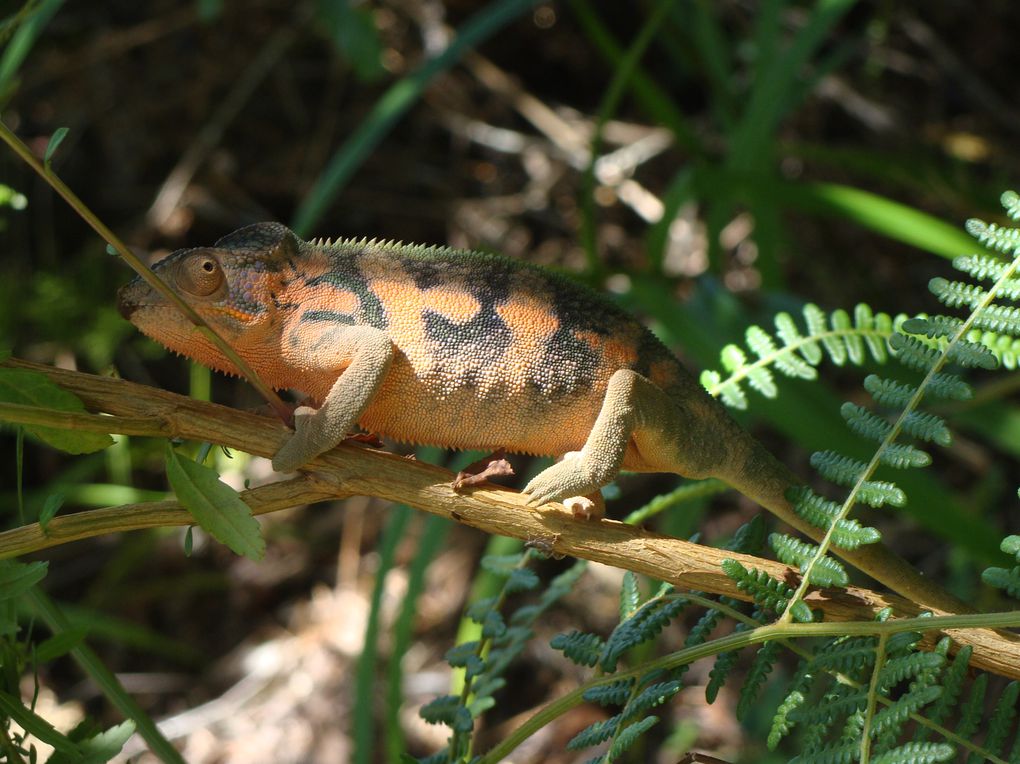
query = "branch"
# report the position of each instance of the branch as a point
(350, 470)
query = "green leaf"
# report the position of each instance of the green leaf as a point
(630, 595)
(354, 34)
(106, 745)
(55, 140)
(50, 508)
(30, 388)
(12, 708)
(59, 644)
(216, 506)
(18, 577)
(447, 709)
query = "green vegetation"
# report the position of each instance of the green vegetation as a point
(739, 174)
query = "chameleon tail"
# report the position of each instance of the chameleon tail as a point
(757, 474)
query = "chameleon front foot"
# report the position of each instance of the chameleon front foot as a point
(303, 445)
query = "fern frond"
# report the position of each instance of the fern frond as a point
(995, 237)
(502, 565)
(864, 423)
(820, 512)
(759, 377)
(646, 623)
(1011, 544)
(973, 707)
(928, 427)
(904, 455)
(749, 538)
(933, 326)
(888, 392)
(447, 709)
(913, 353)
(466, 656)
(837, 468)
(845, 471)
(973, 355)
(848, 655)
(1002, 719)
(810, 352)
(626, 737)
(1002, 346)
(1010, 201)
(917, 355)
(1001, 319)
(904, 643)
(839, 703)
(838, 351)
(767, 592)
(981, 267)
(493, 625)
(479, 609)
(653, 695)
(595, 733)
(700, 631)
(949, 386)
(899, 669)
(721, 669)
(952, 684)
(792, 551)
(891, 718)
(916, 753)
(782, 724)
(630, 596)
(614, 694)
(581, 647)
(521, 580)
(759, 671)
(1002, 578)
(796, 355)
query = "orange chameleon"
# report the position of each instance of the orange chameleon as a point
(466, 350)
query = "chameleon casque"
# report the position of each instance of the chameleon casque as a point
(436, 346)
(465, 350)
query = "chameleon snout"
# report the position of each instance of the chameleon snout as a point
(127, 299)
(124, 306)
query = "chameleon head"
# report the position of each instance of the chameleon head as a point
(232, 285)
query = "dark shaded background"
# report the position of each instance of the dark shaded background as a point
(231, 119)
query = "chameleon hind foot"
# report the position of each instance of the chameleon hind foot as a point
(493, 465)
(567, 478)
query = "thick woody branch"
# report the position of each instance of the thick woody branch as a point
(351, 470)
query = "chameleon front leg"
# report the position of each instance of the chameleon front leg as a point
(367, 354)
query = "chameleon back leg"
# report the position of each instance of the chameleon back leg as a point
(639, 427)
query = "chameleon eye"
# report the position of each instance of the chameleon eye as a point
(201, 275)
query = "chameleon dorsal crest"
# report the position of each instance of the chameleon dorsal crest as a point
(274, 239)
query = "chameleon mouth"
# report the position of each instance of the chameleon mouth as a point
(125, 305)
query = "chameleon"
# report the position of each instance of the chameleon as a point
(444, 347)
(466, 350)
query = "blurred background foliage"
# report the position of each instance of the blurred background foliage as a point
(748, 157)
